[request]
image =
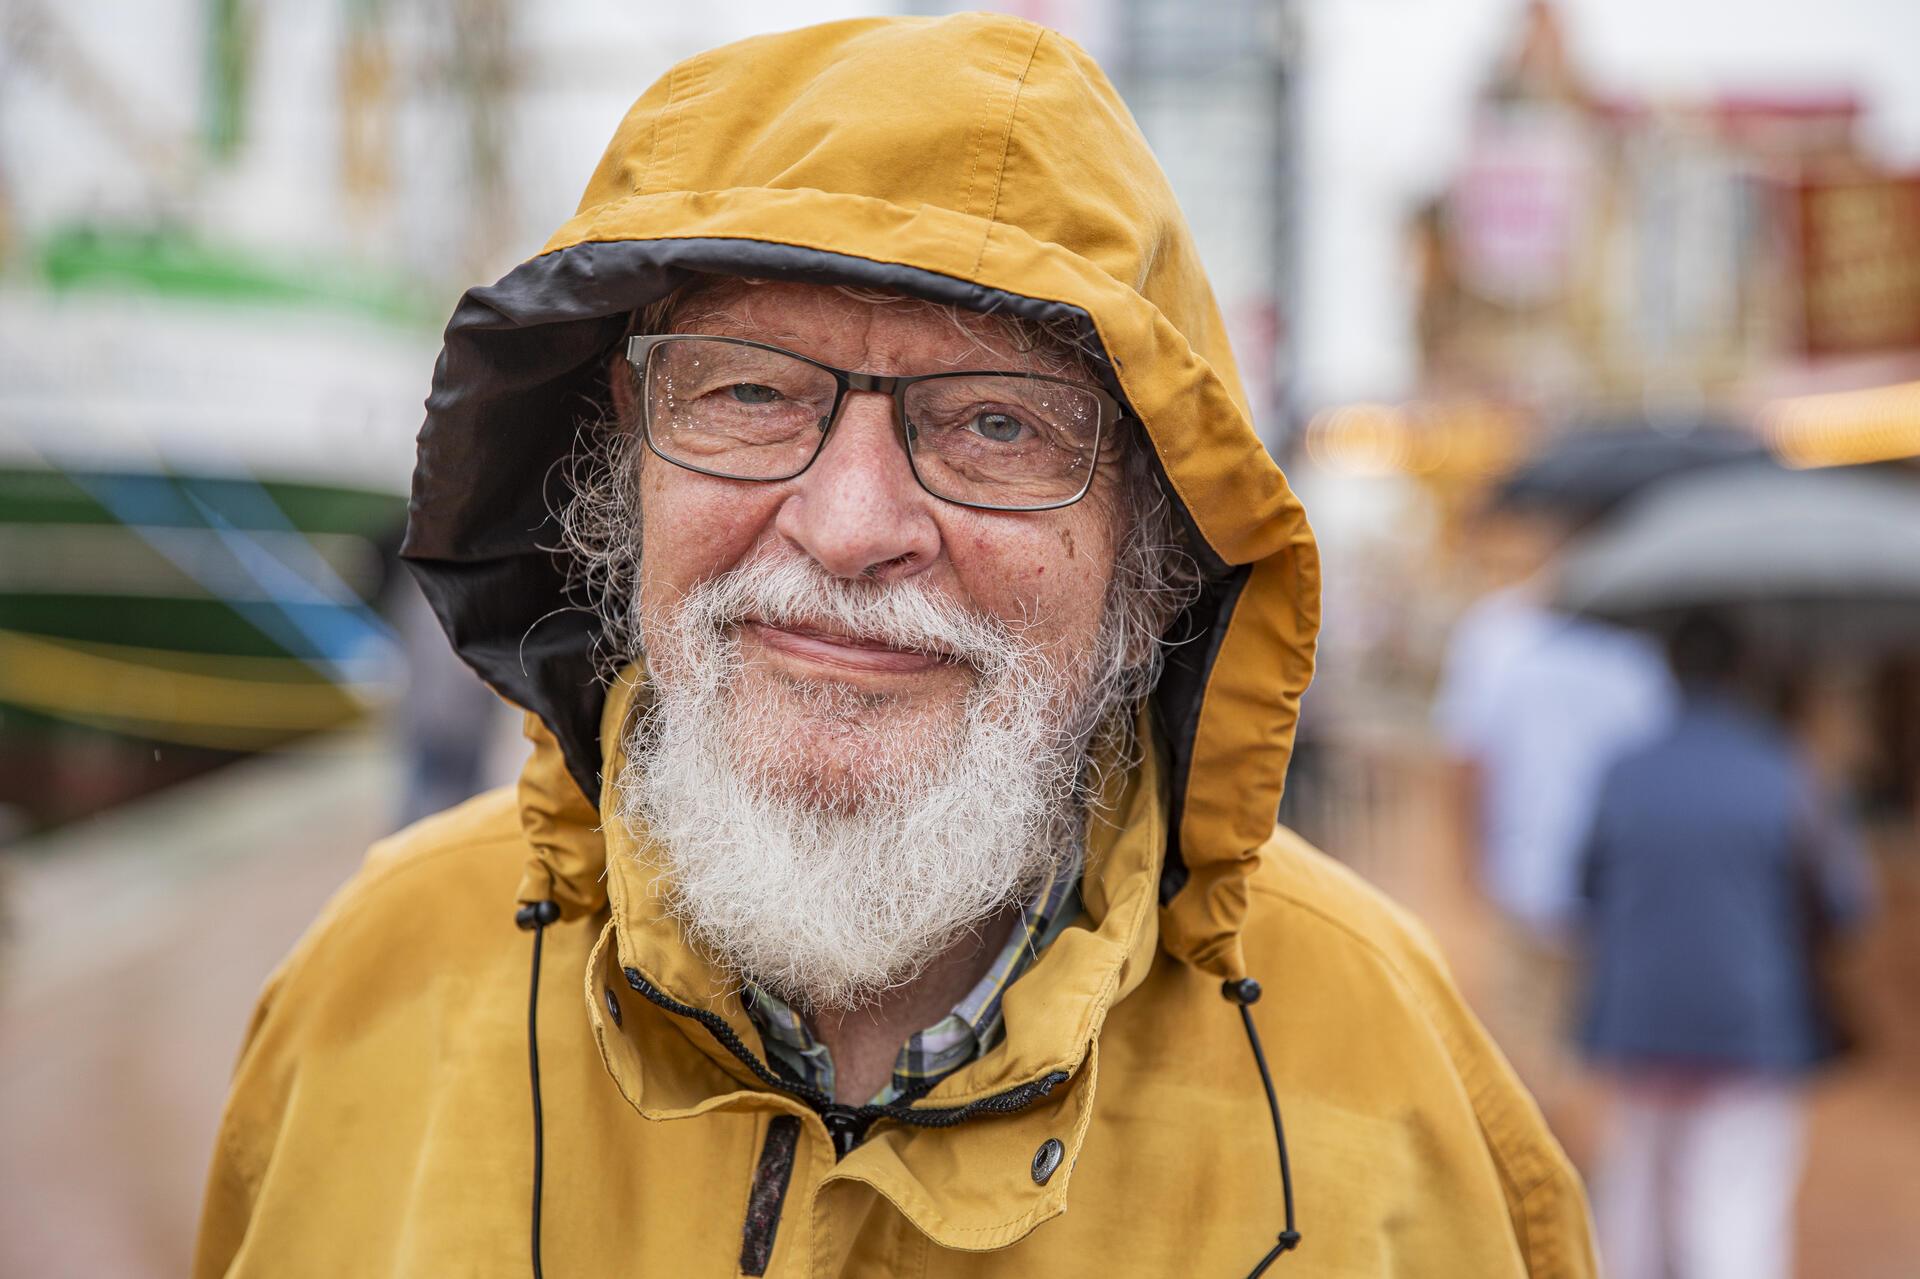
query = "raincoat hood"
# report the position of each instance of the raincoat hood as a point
(975, 160)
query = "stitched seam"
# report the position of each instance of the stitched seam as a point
(1549, 1250)
(921, 1246)
(1476, 1082)
(249, 1172)
(1006, 146)
(653, 144)
(348, 900)
(693, 67)
(823, 1245)
(355, 891)
(973, 157)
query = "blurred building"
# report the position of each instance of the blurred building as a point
(1600, 260)
(1597, 259)
(1603, 256)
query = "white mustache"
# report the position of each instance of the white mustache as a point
(909, 615)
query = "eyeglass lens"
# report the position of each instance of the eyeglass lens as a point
(749, 413)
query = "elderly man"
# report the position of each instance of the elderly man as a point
(859, 497)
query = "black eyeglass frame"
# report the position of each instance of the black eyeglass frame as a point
(640, 350)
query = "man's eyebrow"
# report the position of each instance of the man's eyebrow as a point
(778, 337)
(726, 325)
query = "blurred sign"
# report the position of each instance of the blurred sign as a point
(1860, 263)
(1518, 209)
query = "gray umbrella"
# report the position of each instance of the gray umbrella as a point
(1830, 556)
(1592, 470)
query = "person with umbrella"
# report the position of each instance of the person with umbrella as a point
(1712, 872)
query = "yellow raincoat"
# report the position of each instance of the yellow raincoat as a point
(380, 1118)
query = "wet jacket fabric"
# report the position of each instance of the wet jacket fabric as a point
(1712, 871)
(379, 1122)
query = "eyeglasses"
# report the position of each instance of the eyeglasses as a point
(743, 410)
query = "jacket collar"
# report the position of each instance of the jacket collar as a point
(671, 1065)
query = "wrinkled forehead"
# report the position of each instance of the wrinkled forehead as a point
(875, 321)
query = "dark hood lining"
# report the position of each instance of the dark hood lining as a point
(1194, 638)
(524, 361)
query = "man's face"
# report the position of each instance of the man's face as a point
(832, 712)
(871, 706)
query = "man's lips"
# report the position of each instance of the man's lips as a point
(846, 652)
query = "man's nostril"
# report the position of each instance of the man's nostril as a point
(887, 568)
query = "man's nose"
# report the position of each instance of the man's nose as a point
(858, 511)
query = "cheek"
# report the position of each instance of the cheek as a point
(1052, 572)
(694, 528)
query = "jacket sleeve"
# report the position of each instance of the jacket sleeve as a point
(1556, 1234)
(1545, 1200)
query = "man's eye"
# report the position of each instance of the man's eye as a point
(1001, 428)
(753, 393)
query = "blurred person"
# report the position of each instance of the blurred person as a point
(1533, 705)
(912, 640)
(1714, 873)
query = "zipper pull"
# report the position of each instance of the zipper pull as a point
(846, 1126)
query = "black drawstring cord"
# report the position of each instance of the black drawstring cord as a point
(534, 917)
(849, 1124)
(1243, 994)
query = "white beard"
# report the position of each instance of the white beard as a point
(830, 899)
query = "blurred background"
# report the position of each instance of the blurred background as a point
(1588, 330)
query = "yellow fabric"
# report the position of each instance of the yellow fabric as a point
(379, 1120)
(563, 868)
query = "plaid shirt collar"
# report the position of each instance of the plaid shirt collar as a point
(974, 1025)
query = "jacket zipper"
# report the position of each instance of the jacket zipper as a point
(848, 1125)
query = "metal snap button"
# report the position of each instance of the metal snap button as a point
(1046, 1159)
(613, 1006)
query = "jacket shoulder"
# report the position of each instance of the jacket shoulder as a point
(489, 821)
(1308, 907)
(440, 892)
(435, 879)
(470, 854)
(1327, 928)
(1296, 878)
